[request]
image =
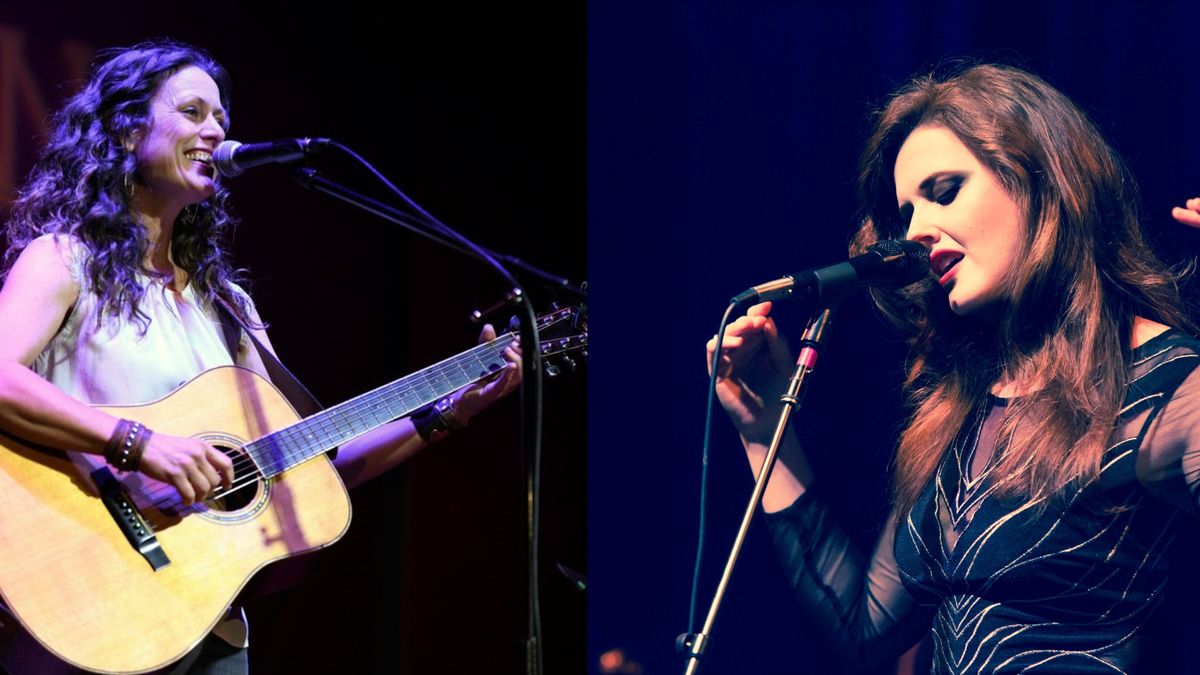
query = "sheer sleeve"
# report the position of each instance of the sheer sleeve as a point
(1169, 461)
(860, 603)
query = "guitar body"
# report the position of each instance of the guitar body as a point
(73, 579)
(81, 586)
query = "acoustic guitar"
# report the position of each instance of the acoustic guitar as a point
(112, 573)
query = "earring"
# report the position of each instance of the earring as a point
(128, 182)
(189, 214)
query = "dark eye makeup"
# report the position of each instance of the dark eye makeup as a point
(946, 189)
(939, 188)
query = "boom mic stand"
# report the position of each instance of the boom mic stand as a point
(531, 387)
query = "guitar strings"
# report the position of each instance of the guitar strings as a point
(165, 495)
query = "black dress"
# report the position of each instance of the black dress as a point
(1006, 586)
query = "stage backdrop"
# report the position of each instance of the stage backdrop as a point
(723, 139)
(478, 113)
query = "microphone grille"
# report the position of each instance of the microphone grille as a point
(223, 159)
(908, 260)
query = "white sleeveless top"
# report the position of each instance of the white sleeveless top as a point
(114, 361)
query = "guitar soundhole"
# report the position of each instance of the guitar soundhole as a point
(247, 488)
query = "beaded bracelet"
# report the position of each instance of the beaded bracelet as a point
(126, 445)
(119, 435)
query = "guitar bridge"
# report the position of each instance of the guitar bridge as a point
(129, 518)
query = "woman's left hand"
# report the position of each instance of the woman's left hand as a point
(473, 398)
(1189, 214)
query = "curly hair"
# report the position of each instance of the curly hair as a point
(1084, 273)
(79, 186)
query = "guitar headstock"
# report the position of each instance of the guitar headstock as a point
(564, 339)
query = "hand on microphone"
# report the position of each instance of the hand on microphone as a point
(752, 372)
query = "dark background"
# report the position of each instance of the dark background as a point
(478, 114)
(723, 139)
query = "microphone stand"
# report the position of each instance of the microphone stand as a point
(312, 180)
(531, 387)
(696, 643)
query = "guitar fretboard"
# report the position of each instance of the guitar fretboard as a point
(279, 451)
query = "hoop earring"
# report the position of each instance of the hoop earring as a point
(128, 183)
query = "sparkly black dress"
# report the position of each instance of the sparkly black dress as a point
(1000, 585)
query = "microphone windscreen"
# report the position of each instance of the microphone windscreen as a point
(908, 261)
(223, 159)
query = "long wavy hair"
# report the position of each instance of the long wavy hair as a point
(1083, 273)
(81, 186)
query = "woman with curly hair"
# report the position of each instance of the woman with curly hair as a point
(1053, 438)
(115, 268)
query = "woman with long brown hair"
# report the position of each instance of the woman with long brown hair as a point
(116, 268)
(1052, 440)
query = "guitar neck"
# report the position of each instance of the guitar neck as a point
(283, 449)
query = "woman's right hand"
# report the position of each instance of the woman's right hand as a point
(752, 372)
(194, 468)
(1189, 213)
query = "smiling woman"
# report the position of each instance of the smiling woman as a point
(115, 152)
(1053, 409)
(118, 288)
(175, 156)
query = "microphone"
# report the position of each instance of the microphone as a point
(232, 158)
(892, 263)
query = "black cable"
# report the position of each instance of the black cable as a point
(708, 414)
(531, 389)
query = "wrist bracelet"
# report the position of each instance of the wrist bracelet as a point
(445, 411)
(427, 423)
(437, 419)
(126, 445)
(119, 435)
(135, 457)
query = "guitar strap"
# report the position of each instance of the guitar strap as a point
(293, 390)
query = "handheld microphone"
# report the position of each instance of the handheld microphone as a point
(891, 263)
(232, 158)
